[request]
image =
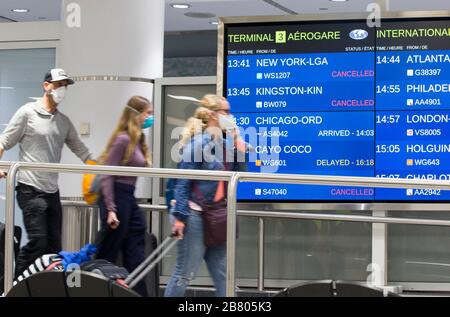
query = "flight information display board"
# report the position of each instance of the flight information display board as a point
(340, 98)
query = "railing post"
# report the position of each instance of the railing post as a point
(261, 254)
(231, 235)
(9, 227)
(379, 251)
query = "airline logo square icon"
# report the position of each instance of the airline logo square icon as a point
(410, 132)
(409, 162)
(409, 192)
(258, 163)
(410, 72)
(259, 104)
(257, 191)
(259, 76)
(410, 102)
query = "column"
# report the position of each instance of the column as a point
(117, 38)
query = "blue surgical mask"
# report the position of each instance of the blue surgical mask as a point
(148, 122)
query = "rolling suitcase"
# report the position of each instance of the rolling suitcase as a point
(149, 274)
(102, 278)
(150, 263)
(152, 278)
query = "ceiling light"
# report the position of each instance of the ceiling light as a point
(323, 9)
(20, 10)
(200, 15)
(180, 6)
(338, 0)
(214, 22)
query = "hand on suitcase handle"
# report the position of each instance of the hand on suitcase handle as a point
(178, 229)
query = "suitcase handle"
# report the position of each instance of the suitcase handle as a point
(142, 270)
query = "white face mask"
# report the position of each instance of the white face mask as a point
(226, 122)
(59, 94)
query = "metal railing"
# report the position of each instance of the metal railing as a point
(14, 167)
(81, 221)
(313, 180)
(276, 214)
(260, 215)
(5, 165)
(81, 203)
(233, 178)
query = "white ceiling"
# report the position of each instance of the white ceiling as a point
(45, 10)
(50, 10)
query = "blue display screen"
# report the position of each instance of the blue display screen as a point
(340, 98)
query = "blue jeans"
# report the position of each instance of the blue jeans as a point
(190, 253)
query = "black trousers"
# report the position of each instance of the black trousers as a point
(129, 238)
(42, 216)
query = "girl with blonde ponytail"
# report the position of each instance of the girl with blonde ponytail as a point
(196, 124)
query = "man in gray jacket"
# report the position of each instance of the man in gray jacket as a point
(41, 131)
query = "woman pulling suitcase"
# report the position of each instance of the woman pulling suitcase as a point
(118, 207)
(212, 136)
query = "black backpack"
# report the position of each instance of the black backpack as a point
(17, 238)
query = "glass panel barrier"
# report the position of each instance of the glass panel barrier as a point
(419, 253)
(316, 250)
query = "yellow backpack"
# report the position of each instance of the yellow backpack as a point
(91, 186)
